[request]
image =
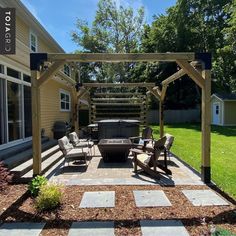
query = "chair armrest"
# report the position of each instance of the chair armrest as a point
(137, 137)
(137, 151)
(149, 149)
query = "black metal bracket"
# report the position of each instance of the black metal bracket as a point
(36, 59)
(206, 174)
(78, 86)
(205, 57)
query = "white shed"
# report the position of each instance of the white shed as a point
(223, 109)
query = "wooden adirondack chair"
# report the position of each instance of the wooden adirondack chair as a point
(141, 141)
(147, 159)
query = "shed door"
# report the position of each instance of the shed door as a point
(216, 113)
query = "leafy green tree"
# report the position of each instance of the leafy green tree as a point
(224, 68)
(190, 25)
(115, 29)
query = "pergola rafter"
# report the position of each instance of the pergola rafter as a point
(201, 78)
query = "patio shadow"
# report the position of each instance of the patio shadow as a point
(127, 164)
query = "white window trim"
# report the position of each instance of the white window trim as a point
(36, 41)
(62, 91)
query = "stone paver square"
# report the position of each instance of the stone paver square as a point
(151, 198)
(21, 229)
(162, 228)
(204, 198)
(98, 199)
(92, 228)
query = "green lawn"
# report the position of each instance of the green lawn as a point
(187, 146)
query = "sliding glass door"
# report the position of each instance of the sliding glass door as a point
(3, 128)
(15, 106)
(14, 109)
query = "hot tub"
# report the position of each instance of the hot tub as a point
(110, 129)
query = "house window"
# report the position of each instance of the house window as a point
(13, 73)
(1, 69)
(67, 70)
(65, 100)
(26, 78)
(217, 109)
(33, 42)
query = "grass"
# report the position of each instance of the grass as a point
(187, 146)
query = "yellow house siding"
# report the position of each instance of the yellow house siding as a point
(22, 31)
(230, 113)
(43, 46)
(216, 100)
(50, 106)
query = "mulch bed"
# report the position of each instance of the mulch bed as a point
(17, 205)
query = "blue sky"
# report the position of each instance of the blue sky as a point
(59, 16)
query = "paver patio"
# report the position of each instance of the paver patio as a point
(100, 173)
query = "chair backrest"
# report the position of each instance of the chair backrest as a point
(159, 146)
(147, 133)
(169, 141)
(65, 145)
(73, 138)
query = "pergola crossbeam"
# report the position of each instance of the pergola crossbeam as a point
(112, 85)
(121, 57)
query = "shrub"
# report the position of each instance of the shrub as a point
(5, 177)
(49, 197)
(35, 184)
(222, 232)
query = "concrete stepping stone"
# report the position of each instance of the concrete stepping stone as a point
(162, 228)
(151, 198)
(98, 199)
(21, 229)
(92, 228)
(204, 198)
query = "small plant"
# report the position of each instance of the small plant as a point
(49, 197)
(222, 232)
(35, 185)
(5, 177)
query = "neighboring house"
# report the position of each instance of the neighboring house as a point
(15, 82)
(223, 109)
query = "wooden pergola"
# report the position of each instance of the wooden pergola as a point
(186, 61)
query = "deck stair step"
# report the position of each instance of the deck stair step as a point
(24, 156)
(25, 167)
(48, 165)
(8, 152)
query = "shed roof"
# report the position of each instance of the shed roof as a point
(225, 96)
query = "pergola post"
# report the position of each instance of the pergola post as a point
(206, 127)
(161, 118)
(36, 122)
(75, 111)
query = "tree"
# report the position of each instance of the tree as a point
(190, 26)
(115, 29)
(224, 68)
